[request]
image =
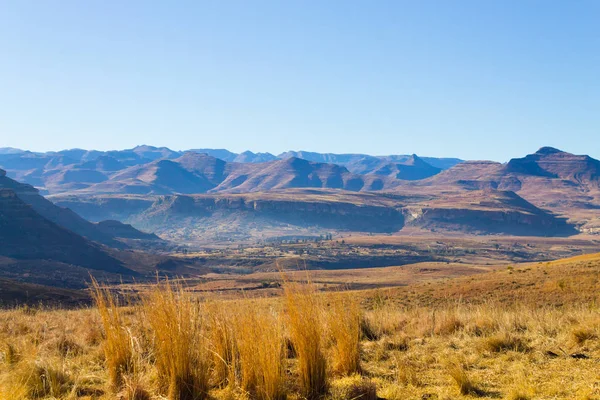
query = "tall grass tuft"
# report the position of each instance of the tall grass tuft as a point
(305, 321)
(118, 347)
(179, 346)
(262, 349)
(222, 337)
(465, 385)
(344, 322)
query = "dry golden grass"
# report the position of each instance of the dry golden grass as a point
(344, 316)
(118, 349)
(465, 384)
(221, 334)
(180, 350)
(261, 352)
(446, 349)
(306, 325)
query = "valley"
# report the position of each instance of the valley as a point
(420, 278)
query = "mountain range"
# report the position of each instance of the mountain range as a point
(549, 192)
(152, 170)
(105, 209)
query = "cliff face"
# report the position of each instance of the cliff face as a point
(510, 222)
(553, 163)
(259, 214)
(337, 215)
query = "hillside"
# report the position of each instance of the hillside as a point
(26, 235)
(563, 183)
(14, 293)
(63, 217)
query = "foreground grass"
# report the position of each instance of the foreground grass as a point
(306, 344)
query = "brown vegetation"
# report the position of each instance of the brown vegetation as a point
(173, 345)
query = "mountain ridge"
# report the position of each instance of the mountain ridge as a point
(79, 169)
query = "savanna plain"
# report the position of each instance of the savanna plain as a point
(520, 331)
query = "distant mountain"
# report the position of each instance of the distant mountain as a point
(113, 171)
(554, 163)
(297, 173)
(124, 231)
(155, 153)
(340, 159)
(195, 173)
(405, 167)
(410, 168)
(10, 150)
(564, 183)
(103, 163)
(250, 157)
(540, 167)
(352, 159)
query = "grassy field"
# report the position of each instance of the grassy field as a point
(528, 331)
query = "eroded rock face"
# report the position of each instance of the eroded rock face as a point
(490, 221)
(340, 215)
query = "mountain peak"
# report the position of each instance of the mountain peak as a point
(547, 150)
(2, 172)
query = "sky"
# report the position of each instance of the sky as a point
(470, 79)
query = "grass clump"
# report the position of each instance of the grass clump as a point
(179, 349)
(505, 342)
(582, 334)
(222, 336)
(9, 354)
(465, 385)
(305, 322)
(261, 349)
(353, 387)
(344, 322)
(448, 324)
(66, 347)
(118, 348)
(35, 380)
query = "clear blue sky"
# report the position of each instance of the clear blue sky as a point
(471, 79)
